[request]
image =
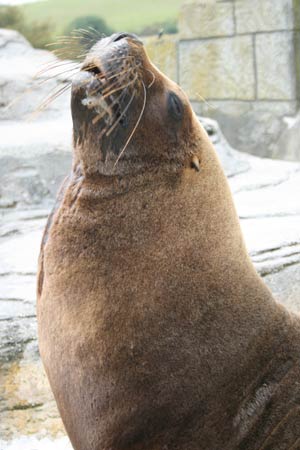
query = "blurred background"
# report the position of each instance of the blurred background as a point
(238, 61)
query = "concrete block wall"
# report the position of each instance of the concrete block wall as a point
(243, 58)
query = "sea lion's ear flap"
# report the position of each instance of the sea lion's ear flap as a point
(175, 106)
(195, 163)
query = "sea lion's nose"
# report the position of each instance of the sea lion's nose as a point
(81, 80)
(118, 36)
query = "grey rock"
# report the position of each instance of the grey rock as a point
(206, 19)
(228, 66)
(285, 286)
(232, 161)
(276, 75)
(15, 333)
(24, 80)
(34, 160)
(255, 127)
(289, 141)
(32, 168)
(266, 15)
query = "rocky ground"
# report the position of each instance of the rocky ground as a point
(34, 157)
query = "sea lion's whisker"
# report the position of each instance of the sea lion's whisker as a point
(51, 69)
(205, 101)
(153, 80)
(119, 58)
(118, 73)
(89, 32)
(112, 85)
(97, 32)
(295, 445)
(109, 89)
(122, 114)
(55, 65)
(116, 100)
(62, 39)
(135, 127)
(53, 96)
(17, 99)
(64, 45)
(58, 74)
(63, 55)
(48, 79)
(104, 75)
(27, 91)
(58, 43)
(121, 87)
(99, 117)
(45, 103)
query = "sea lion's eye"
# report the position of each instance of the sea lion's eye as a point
(175, 106)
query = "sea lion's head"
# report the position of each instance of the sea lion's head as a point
(128, 116)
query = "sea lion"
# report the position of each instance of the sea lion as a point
(155, 330)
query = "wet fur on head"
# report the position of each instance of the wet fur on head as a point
(103, 144)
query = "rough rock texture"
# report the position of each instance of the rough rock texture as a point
(164, 52)
(274, 59)
(25, 154)
(267, 15)
(34, 162)
(290, 139)
(205, 19)
(217, 68)
(243, 55)
(24, 81)
(233, 162)
(255, 127)
(243, 58)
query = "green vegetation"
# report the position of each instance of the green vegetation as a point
(84, 32)
(37, 32)
(10, 17)
(121, 15)
(42, 22)
(94, 27)
(169, 27)
(88, 22)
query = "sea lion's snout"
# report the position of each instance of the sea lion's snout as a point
(118, 99)
(106, 96)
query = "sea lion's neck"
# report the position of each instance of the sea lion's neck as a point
(188, 222)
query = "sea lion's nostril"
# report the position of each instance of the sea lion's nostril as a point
(118, 36)
(95, 70)
(91, 68)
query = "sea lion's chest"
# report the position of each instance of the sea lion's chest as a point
(109, 309)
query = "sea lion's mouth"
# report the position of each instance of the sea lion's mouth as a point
(105, 91)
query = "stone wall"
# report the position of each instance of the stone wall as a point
(243, 58)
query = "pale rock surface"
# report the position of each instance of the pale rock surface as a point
(205, 19)
(290, 140)
(267, 15)
(163, 52)
(34, 149)
(27, 77)
(247, 125)
(274, 59)
(217, 68)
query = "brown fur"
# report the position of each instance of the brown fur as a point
(155, 330)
